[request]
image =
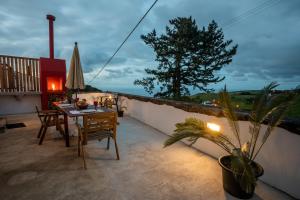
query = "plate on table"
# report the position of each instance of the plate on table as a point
(64, 105)
(91, 110)
(88, 111)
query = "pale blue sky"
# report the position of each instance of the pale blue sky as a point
(268, 37)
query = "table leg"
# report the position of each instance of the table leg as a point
(66, 130)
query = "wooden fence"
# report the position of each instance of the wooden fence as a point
(19, 74)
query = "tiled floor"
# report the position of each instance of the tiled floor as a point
(145, 171)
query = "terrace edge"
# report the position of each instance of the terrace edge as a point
(288, 123)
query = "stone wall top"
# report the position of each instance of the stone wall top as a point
(290, 124)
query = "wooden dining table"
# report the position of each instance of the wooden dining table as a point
(69, 110)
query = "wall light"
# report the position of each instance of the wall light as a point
(213, 127)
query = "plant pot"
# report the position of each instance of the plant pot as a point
(230, 184)
(120, 113)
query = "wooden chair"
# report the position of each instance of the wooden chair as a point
(97, 126)
(108, 103)
(48, 118)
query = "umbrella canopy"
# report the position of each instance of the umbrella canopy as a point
(75, 79)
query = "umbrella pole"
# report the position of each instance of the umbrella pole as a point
(76, 99)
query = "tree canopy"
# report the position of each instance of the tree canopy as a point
(187, 57)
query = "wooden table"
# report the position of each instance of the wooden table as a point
(67, 113)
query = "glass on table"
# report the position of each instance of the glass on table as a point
(95, 104)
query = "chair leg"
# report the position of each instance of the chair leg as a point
(78, 146)
(40, 131)
(57, 123)
(83, 155)
(108, 141)
(117, 150)
(43, 135)
(44, 131)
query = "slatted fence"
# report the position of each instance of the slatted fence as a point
(19, 74)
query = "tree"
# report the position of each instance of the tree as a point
(187, 57)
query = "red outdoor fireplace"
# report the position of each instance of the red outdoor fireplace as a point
(53, 73)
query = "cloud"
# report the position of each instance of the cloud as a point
(269, 41)
(118, 73)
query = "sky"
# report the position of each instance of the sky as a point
(267, 33)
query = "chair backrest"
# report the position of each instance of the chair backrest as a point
(100, 122)
(108, 103)
(39, 114)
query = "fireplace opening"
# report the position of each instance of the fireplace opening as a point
(54, 84)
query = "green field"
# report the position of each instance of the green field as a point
(242, 100)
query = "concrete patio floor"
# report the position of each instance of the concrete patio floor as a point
(145, 171)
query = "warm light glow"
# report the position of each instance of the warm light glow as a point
(53, 86)
(109, 96)
(214, 127)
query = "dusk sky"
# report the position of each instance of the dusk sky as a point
(268, 36)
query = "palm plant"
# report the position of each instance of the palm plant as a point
(267, 109)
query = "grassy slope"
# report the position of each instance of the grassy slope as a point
(294, 111)
(244, 102)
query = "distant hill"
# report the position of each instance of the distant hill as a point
(89, 88)
(242, 100)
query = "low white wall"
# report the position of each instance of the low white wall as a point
(91, 97)
(19, 104)
(280, 156)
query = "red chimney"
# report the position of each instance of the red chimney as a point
(52, 73)
(51, 18)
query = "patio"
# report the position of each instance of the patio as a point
(145, 171)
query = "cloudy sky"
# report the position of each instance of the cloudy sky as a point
(267, 32)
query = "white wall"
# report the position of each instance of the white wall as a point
(20, 104)
(280, 156)
(90, 97)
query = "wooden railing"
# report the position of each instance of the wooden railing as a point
(19, 74)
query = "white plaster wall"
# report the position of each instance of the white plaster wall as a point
(19, 104)
(280, 156)
(90, 97)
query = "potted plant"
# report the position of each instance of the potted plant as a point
(68, 95)
(120, 106)
(239, 169)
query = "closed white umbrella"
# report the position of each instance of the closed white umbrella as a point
(75, 80)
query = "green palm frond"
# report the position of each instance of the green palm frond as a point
(193, 129)
(275, 116)
(260, 103)
(274, 102)
(243, 171)
(262, 108)
(266, 108)
(230, 115)
(179, 136)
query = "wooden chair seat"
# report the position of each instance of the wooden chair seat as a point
(49, 118)
(99, 135)
(97, 126)
(53, 122)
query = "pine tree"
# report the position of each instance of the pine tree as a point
(187, 57)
